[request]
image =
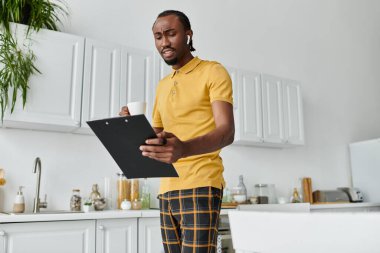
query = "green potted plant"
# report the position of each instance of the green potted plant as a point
(16, 62)
(87, 205)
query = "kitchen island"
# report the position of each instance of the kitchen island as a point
(301, 232)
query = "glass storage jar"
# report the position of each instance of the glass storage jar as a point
(265, 194)
(123, 189)
(135, 193)
(145, 195)
(76, 201)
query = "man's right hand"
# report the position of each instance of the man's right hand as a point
(124, 111)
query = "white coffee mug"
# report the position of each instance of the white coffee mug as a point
(136, 108)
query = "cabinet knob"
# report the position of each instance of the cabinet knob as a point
(101, 227)
(2, 233)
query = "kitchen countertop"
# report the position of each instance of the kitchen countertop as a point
(95, 215)
(344, 205)
(151, 213)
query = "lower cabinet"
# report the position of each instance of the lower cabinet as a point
(48, 237)
(126, 235)
(150, 236)
(116, 236)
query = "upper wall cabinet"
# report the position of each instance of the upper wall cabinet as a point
(54, 97)
(234, 78)
(248, 117)
(110, 75)
(137, 78)
(113, 76)
(85, 79)
(282, 111)
(293, 112)
(101, 82)
(273, 118)
(268, 111)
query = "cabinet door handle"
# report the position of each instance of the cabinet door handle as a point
(101, 234)
(3, 235)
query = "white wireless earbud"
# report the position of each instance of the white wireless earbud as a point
(188, 39)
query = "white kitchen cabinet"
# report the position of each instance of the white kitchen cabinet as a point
(273, 126)
(110, 75)
(137, 78)
(116, 236)
(101, 82)
(248, 121)
(233, 72)
(54, 97)
(48, 237)
(269, 111)
(282, 111)
(293, 112)
(113, 76)
(150, 236)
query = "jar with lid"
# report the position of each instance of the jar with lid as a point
(123, 189)
(76, 201)
(145, 195)
(135, 189)
(239, 193)
(227, 198)
(265, 194)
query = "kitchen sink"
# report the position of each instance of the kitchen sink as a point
(44, 212)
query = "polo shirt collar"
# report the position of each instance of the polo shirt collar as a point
(192, 64)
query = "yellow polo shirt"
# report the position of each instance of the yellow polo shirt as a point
(183, 107)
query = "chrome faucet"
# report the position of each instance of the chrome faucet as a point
(37, 203)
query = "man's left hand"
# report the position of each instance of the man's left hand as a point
(166, 148)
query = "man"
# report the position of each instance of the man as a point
(193, 119)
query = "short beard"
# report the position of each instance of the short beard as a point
(172, 61)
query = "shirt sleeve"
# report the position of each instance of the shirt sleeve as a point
(220, 85)
(156, 116)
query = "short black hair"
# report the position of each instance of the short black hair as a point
(182, 17)
(184, 20)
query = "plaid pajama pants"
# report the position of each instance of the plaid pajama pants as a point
(189, 220)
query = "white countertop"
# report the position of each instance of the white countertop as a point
(344, 205)
(152, 213)
(95, 215)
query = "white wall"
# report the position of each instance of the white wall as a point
(331, 46)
